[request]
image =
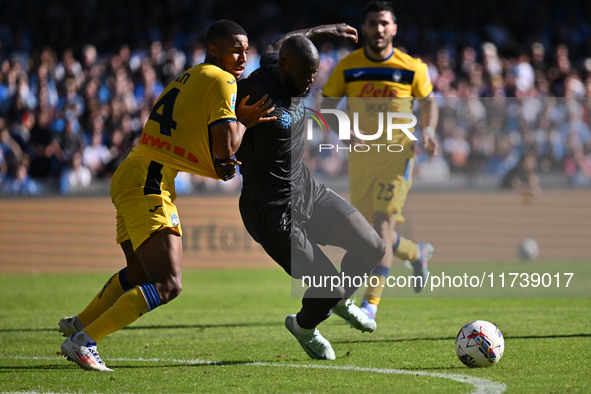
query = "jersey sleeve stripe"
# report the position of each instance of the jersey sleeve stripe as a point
(219, 121)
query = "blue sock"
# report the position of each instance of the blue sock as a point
(397, 243)
(381, 270)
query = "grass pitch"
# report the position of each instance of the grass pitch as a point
(225, 334)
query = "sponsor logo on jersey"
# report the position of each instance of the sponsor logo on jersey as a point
(371, 90)
(157, 143)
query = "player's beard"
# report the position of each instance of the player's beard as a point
(378, 47)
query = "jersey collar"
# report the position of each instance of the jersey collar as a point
(378, 60)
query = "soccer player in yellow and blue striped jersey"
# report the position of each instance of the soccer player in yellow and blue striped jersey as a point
(381, 78)
(193, 127)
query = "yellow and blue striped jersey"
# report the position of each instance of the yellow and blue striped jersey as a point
(399, 75)
(379, 86)
(177, 132)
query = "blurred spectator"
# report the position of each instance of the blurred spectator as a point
(538, 58)
(560, 70)
(75, 175)
(120, 145)
(69, 68)
(468, 62)
(524, 75)
(491, 61)
(578, 167)
(71, 105)
(176, 61)
(44, 148)
(504, 159)
(21, 131)
(56, 84)
(44, 86)
(456, 149)
(157, 60)
(96, 155)
(19, 183)
(12, 153)
(575, 128)
(432, 169)
(523, 178)
(70, 141)
(149, 87)
(573, 86)
(3, 168)
(89, 59)
(482, 147)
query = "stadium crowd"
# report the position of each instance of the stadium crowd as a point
(78, 82)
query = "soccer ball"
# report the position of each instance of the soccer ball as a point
(480, 344)
(528, 249)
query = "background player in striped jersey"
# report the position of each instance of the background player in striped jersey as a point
(381, 78)
(193, 127)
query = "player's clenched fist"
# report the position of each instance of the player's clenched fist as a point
(225, 168)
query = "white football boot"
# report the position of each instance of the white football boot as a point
(356, 318)
(313, 343)
(86, 356)
(69, 326)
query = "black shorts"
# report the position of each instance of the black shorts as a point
(284, 233)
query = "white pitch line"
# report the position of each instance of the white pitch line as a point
(481, 385)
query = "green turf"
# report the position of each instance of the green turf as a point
(235, 318)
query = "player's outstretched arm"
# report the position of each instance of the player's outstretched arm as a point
(430, 117)
(228, 136)
(251, 115)
(340, 31)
